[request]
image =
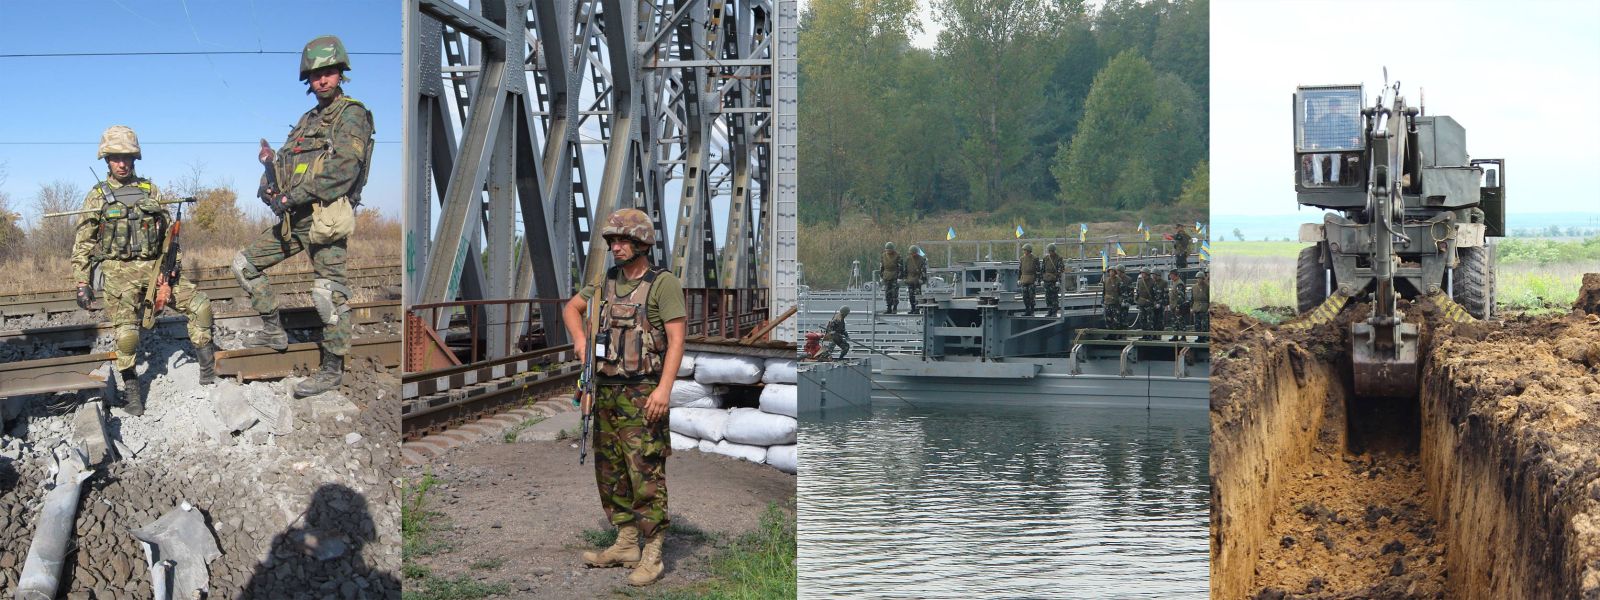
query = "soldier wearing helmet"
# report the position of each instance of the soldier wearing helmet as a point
(837, 333)
(890, 269)
(1111, 298)
(1200, 301)
(1144, 297)
(313, 183)
(916, 275)
(1052, 267)
(1028, 276)
(1180, 246)
(126, 237)
(637, 352)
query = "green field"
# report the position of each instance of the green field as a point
(1533, 275)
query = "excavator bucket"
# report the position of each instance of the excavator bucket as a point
(1384, 369)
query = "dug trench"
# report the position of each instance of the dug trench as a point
(1484, 485)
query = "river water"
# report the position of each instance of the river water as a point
(946, 501)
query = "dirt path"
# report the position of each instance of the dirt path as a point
(515, 514)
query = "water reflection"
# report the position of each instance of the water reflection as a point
(1006, 501)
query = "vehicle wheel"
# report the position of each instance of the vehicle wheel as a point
(1473, 281)
(1310, 280)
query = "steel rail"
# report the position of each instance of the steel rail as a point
(215, 288)
(83, 335)
(265, 363)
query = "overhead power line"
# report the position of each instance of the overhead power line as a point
(175, 53)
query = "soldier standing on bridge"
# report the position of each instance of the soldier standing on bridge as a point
(1028, 276)
(126, 236)
(889, 275)
(1180, 246)
(1177, 304)
(1200, 302)
(642, 325)
(1144, 296)
(1111, 284)
(916, 275)
(1054, 266)
(1158, 283)
(837, 332)
(313, 183)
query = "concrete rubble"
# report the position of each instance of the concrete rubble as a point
(178, 545)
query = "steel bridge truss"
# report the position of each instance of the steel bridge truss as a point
(693, 98)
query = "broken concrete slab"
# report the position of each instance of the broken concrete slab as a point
(233, 410)
(182, 537)
(283, 423)
(212, 428)
(333, 408)
(89, 433)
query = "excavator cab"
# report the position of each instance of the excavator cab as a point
(1329, 141)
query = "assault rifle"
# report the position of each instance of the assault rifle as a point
(159, 292)
(586, 384)
(273, 194)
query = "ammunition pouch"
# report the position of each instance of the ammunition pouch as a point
(332, 222)
(636, 348)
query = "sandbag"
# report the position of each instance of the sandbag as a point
(700, 423)
(779, 399)
(683, 442)
(686, 368)
(782, 457)
(779, 370)
(708, 446)
(706, 402)
(685, 391)
(756, 428)
(755, 454)
(727, 368)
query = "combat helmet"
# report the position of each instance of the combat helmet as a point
(1027, 247)
(915, 249)
(844, 311)
(888, 245)
(119, 139)
(324, 51)
(630, 223)
(1050, 247)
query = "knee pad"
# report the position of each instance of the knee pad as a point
(200, 309)
(246, 272)
(127, 339)
(331, 299)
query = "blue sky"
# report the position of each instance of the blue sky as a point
(57, 106)
(1523, 78)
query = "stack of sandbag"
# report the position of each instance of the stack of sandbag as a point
(764, 435)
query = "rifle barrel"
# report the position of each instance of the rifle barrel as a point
(85, 211)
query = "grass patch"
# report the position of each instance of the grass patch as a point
(1221, 248)
(599, 538)
(758, 565)
(462, 587)
(488, 564)
(417, 521)
(515, 430)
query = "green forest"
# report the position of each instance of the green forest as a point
(1026, 111)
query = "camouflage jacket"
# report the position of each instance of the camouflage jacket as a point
(1112, 287)
(1180, 242)
(916, 269)
(1053, 266)
(1158, 286)
(1176, 297)
(835, 327)
(891, 266)
(327, 154)
(86, 237)
(1143, 292)
(1028, 269)
(1200, 297)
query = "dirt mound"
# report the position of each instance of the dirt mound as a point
(1589, 295)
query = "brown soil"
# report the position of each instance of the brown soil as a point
(1589, 295)
(1508, 415)
(524, 507)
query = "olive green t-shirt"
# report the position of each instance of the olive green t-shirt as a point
(664, 303)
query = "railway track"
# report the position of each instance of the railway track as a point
(91, 371)
(438, 399)
(217, 286)
(83, 336)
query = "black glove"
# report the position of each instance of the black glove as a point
(278, 203)
(85, 296)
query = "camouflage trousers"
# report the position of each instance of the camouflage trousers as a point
(1029, 293)
(630, 458)
(1114, 314)
(891, 294)
(126, 283)
(1052, 295)
(328, 260)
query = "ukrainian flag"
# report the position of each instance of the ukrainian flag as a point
(1019, 232)
(1120, 251)
(1205, 250)
(1198, 228)
(1105, 261)
(1083, 231)
(950, 235)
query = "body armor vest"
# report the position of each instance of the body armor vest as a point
(1053, 265)
(916, 269)
(300, 160)
(1113, 288)
(634, 348)
(1028, 270)
(132, 224)
(891, 265)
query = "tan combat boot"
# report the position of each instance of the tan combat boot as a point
(649, 569)
(624, 553)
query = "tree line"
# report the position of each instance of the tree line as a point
(1033, 110)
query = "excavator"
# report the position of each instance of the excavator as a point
(1409, 214)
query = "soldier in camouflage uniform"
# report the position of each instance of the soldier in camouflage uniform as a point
(889, 271)
(1144, 296)
(637, 353)
(916, 275)
(1180, 246)
(316, 180)
(837, 332)
(126, 236)
(1111, 285)
(1028, 277)
(1177, 304)
(1200, 302)
(1158, 284)
(1054, 267)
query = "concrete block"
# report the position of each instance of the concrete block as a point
(283, 424)
(332, 408)
(233, 410)
(212, 428)
(89, 433)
